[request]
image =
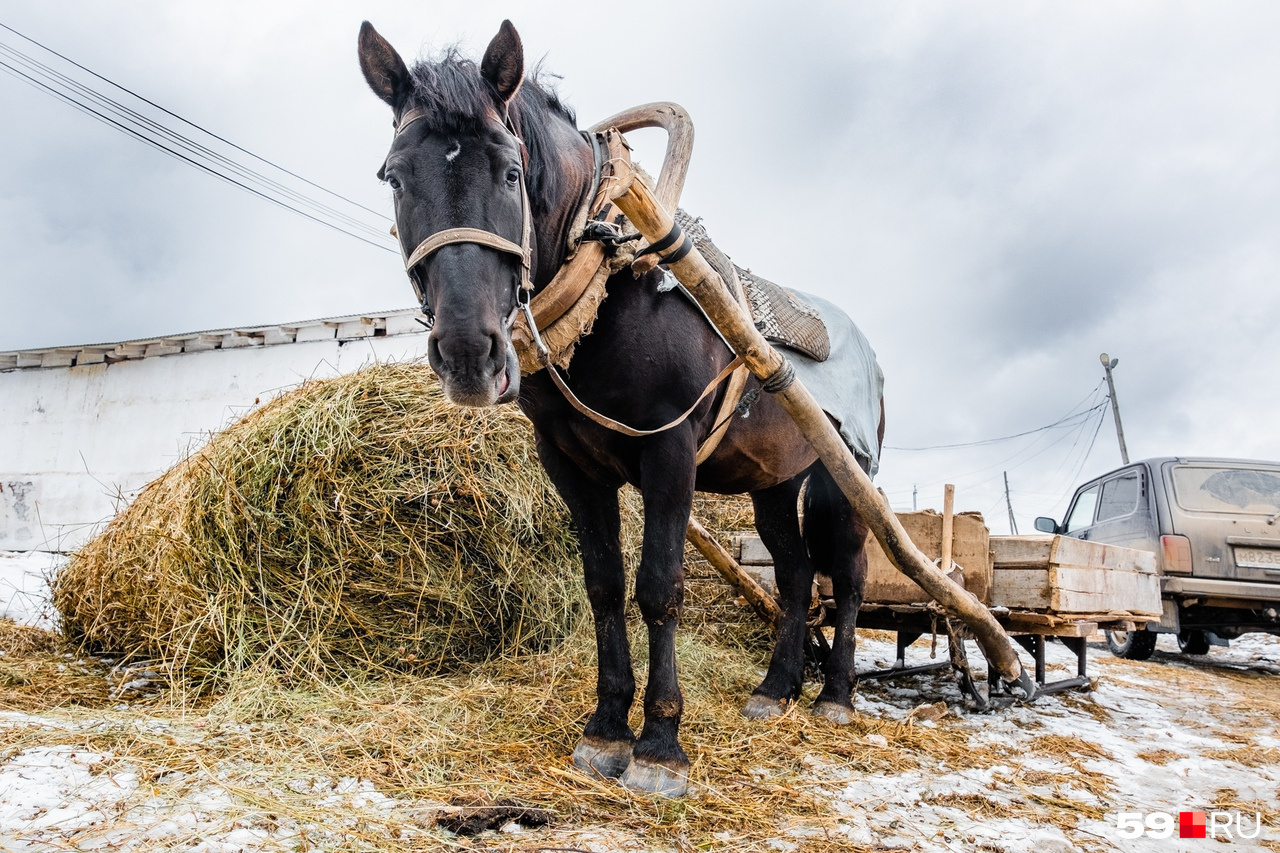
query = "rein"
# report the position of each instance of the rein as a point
(618, 426)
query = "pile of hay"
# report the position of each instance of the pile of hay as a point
(354, 524)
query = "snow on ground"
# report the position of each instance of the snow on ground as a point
(53, 794)
(1163, 736)
(24, 586)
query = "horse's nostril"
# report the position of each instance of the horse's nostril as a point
(433, 350)
(495, 351)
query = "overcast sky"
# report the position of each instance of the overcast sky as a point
(996, 192)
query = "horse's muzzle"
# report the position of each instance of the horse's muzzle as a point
(476, 370)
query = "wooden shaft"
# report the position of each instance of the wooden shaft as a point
(759, 599)
(637, 201)
(948, 525)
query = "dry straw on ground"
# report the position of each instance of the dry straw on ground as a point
(356, 523)
(362, 531)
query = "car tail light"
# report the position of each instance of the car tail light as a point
(1177, 554)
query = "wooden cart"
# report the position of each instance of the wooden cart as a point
(1037, 587)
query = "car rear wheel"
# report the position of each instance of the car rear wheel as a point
(1132, 645)
(1193, 643)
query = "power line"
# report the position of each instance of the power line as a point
(1080, 426)
(188, 122)
(1089, 450)
(959, 479)
(178, 155)
(1078, 422)
(1048, 485)
(1064, 420)
(172, 142)
(143, 128)
(1068, 420)
(142, 124)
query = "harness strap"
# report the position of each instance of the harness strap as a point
(732, 394)
(618, 426)
(728, 408)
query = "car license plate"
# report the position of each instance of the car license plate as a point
(1258, 558)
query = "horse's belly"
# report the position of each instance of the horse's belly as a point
(758, 452)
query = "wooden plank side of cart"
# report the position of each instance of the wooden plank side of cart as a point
(1043, 584)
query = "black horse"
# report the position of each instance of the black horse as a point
(484, 148)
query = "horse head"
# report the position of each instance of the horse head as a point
(456, 169)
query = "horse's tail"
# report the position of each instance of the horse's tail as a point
(827, 511)
(823, 505)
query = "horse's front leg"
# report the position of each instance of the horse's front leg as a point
(659, 764)
(605, 747)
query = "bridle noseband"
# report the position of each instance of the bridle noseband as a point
(449, 236)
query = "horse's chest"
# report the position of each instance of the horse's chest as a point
(598, 454)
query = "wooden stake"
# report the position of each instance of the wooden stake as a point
(637, 201)
(948, 525)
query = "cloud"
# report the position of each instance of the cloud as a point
(996, 192)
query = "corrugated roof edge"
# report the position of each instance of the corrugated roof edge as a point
(346, 327)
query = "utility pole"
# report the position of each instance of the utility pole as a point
(1108, 363)
(1013, 525)
(913, 497)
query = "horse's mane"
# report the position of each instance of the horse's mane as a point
(454, 98)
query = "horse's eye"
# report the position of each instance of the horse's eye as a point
(394, 183)
(513, 175)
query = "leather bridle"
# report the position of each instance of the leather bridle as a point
(450, 236)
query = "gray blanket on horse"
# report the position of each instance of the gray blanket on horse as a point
(848, 385)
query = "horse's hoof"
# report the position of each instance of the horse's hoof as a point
(838, 714)
(607, 758)
(762, 708)
(653, 778)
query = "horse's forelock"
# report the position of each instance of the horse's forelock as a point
(454, 98)
(451, 94)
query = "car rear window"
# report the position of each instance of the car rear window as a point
(1206, 489)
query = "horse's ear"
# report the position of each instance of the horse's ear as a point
(503, 63)
(383, 68)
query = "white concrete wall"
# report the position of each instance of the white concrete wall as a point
(77, 443)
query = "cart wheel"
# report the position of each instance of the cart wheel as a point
(1132, 645)
(1193, 643)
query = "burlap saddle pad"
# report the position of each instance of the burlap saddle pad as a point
(781, 317)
